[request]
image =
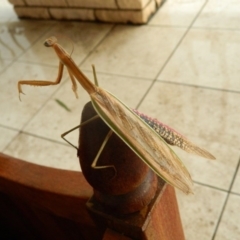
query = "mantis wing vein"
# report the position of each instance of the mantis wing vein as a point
(143, 140)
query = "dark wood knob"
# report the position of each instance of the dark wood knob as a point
(128, 187)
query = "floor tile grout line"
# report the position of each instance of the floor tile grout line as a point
(210, 186)
(226, 200)
(235, 193)
(36, 136)
(11, 141)
(166, 26)
(220, 217)
(25, 50)
(195, 27)
(165, 82)
(120, 75)
(199, 86)
(234, 176)
(97, 45)
(46, 138)
(9, 128)
(171, 54)
(216, 28)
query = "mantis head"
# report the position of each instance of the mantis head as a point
(50, 42)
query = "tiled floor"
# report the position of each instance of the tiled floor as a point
(183, 68)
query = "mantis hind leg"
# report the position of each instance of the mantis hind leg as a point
(94, 163)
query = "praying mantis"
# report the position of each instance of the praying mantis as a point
(146, 137)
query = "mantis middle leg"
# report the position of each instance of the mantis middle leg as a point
(94, 163)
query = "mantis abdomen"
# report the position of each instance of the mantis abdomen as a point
(172, 137)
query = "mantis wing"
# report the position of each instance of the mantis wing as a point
(174, 138)
(142, 139)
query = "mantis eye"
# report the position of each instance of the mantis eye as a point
(50, 41)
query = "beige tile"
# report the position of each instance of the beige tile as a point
(236, 184)
(229, 227)
(217, 173)
(196, 112)
(200, 212)
(134, 51)
(16, 37)
(43, 152)
(6, 136)
(4, 64)
(220, 14)
(207, 117)
(53, 120)
(206, 58)
(13, 112)
(78, 37)
(177, 13)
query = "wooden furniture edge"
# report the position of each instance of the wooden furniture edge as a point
(61, 192)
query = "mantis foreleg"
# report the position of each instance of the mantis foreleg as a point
(41, 82)
(48, 83)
